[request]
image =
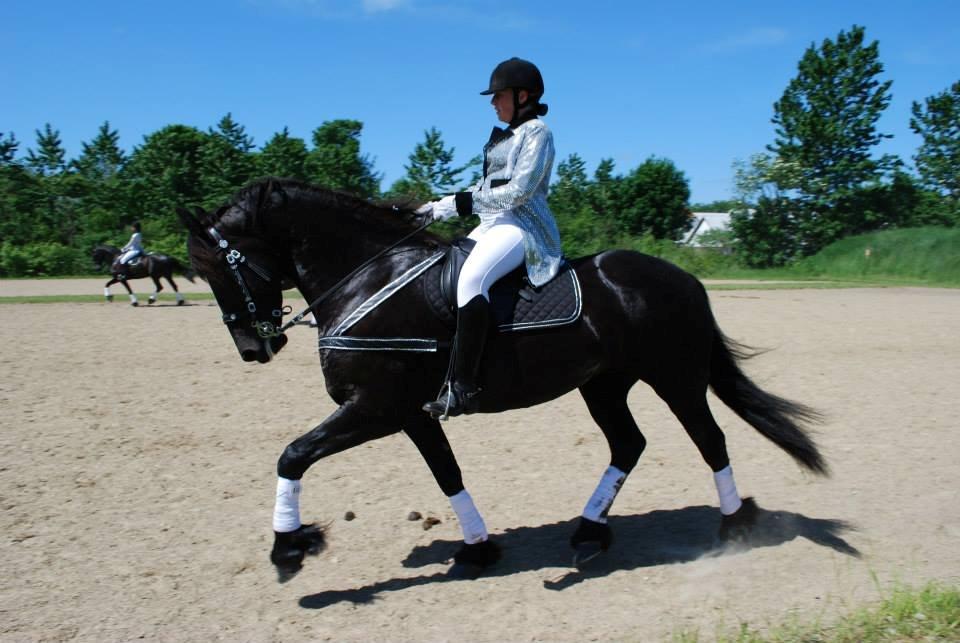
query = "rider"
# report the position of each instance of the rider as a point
(134, 247)
(516, 225)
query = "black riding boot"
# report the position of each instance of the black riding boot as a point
(473, 323)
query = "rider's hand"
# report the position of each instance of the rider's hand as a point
(425, 210)
(439, 210)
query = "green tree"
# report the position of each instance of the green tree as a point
(765, 220)
(654, 198)
(580, 231)
(720, 205)
(335, 161)
(102, 157)
(430, 171)
(826, 125)
(283, 156)
(164, 173)
(8, 148)
(603, 191)
(22, 199)
(50, 157)
(937, 121)
(226, 163)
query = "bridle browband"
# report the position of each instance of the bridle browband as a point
(235, 259)
(266, 329)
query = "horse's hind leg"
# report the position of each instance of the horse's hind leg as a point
(689, 403)
(606, 398)
(175, 289)
(478, 551)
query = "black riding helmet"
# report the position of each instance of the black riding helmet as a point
(518, 73)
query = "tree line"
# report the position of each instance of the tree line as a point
(818, 181)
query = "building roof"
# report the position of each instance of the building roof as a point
(705, 222)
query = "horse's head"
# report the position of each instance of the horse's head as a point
(246, 280)
(103, 255)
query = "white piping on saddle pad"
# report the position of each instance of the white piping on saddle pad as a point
(378, 344)
(383, 294)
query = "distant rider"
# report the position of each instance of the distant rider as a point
(134, 247)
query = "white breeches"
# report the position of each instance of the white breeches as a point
(128, 255)
(499, 250)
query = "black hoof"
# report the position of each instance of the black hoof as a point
(472, 560)
(180, 302)
(109, 298)
(151, 300)
(289, 549)
(589, 541)
(736, 527)
(134, 303)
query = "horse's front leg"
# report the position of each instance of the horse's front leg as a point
(133, 298)
(293, 540)
(478, 551)
(106, 289)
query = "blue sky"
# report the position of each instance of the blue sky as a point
(691, 81)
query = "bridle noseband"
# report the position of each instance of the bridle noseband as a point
(235, 259)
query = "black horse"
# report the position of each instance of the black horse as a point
(153, 265)
(642, 319)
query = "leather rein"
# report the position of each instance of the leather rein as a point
(267, 329)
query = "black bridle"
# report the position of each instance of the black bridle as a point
(235, 259)
(266, 329)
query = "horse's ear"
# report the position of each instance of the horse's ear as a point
(192, 223)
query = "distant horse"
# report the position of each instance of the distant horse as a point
(153, 265)
(641, 319)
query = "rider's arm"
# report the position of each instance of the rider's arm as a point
(532, 167)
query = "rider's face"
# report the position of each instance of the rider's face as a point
(502, 102)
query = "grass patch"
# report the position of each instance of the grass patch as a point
(928, 614)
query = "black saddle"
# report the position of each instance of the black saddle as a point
(514, 302)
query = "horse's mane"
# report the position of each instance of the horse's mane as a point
(259, 197)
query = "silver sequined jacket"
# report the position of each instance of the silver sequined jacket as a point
(516, 175)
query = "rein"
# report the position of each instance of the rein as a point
(319, 300)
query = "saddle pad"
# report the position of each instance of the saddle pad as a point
(515, 305)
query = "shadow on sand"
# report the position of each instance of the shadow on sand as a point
(644, 540)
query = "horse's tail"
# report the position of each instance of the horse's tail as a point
(186, 271)
(777, 419)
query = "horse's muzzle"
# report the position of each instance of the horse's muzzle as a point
(265, 349)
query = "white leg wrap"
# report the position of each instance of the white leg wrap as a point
(474, 531)
(179, 296)
(286, 511)
(133, 298)
(106, 292)
(601, 500)
(727, 490)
